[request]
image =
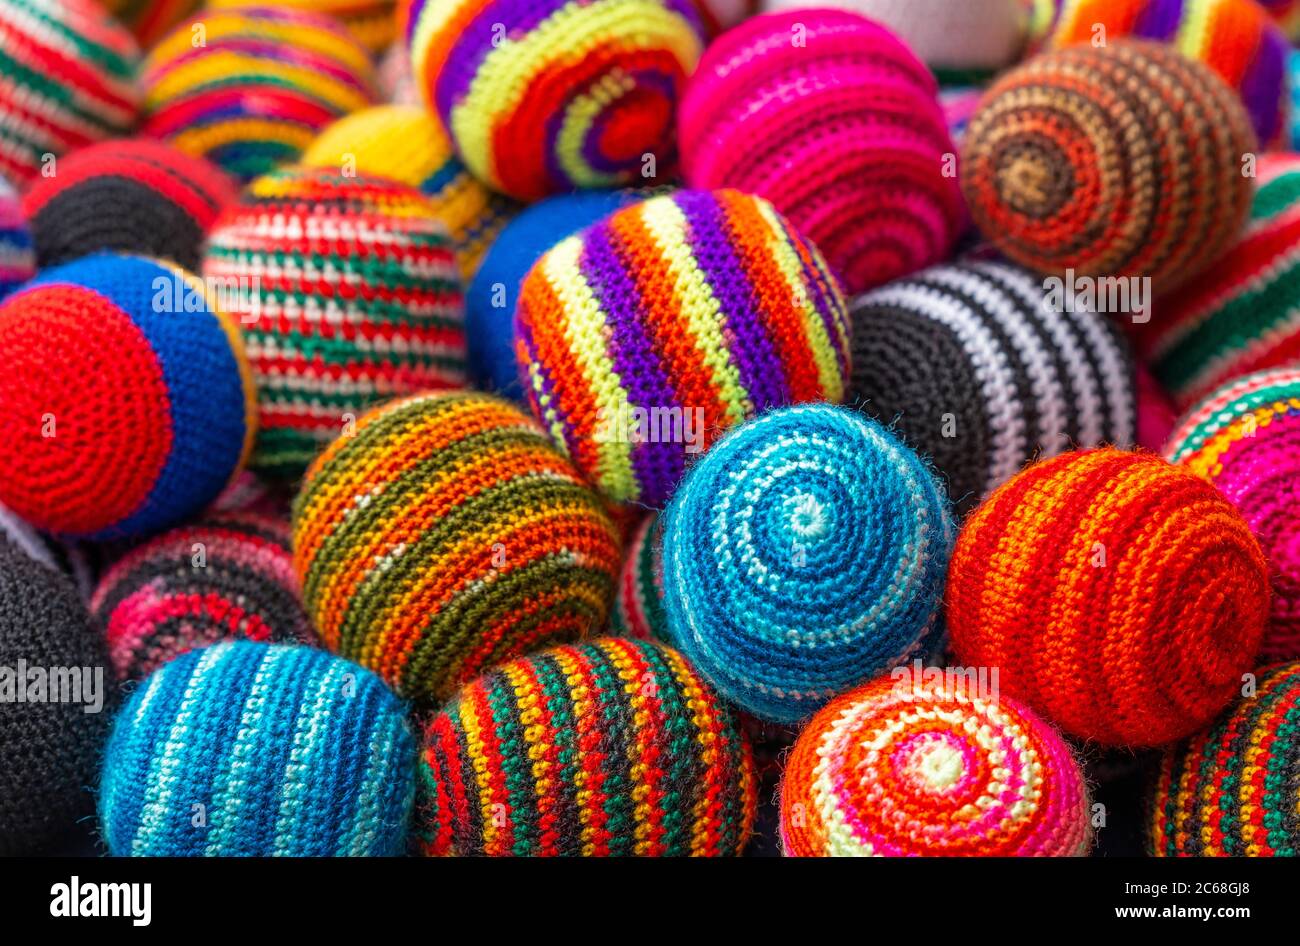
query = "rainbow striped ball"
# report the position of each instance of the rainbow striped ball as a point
(247, 749)
(447, 534)
(348, 294)
(69, 79)
(610, 748)
(554, 95)
(257, 91)
(804, 555)
(1245, 439)
(931, 767)
(126, 400)
(646, 335)
(639, 603)
(17, 252)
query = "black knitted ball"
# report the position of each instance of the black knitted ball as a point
(981, 369)
(49, 748)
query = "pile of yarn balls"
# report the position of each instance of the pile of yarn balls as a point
(649, 427)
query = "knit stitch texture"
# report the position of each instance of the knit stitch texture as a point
(639, 603)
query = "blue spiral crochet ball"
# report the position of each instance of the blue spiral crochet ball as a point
(803, 555)
(256, 749)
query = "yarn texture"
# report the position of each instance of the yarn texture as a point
(1120, 597)
(1116, 161)
(445, 535)
(639, 604)
(901, 768)
(17, 253)
(802, 556)
(290, 751)
(610, 748)
(842, 132)
(981, 370)
(641, 339)
(126, 403)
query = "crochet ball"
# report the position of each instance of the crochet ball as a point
(842, 132)
(493, 293)
(1230, 790)
(406, 144)
(151, 20)
(447, 534)
(578, 94)
(1237, 316)
(981, 369)
(610, 748)
(225, 578)
(126, 403)
(1121, 161)
(257, 91)
(130, 196)
(802, 556)
(48, 746)
(1245, 439)
(283, 750)
(17, 253)
(645, 336)
(370, 21)
(901, 768)
(639, 602)
(1235, 38)
(1119, 596)
(69, 79)
(348, 294)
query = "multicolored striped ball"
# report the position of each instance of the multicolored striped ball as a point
(1116, 161)
(151, 20)
(285, 751)
(1119, 596)
(348, 294)
(1230, 791)
(69, 79)
(605, 749)
(802, 556)
(639, 603)
(1239, 315)
(981, 368)
(644, 337)
(17, 252)
(225, 578)
(372, 22)
(126, 403)
(906, 767)
(1245, 439)
(446, 534)
(841, 131)
(406, 144)
(135, 196)
(258, 89)
(545, 97)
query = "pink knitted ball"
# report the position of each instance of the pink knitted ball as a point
(831, 118)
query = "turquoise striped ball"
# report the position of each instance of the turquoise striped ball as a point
(803, 555)
(257, 750)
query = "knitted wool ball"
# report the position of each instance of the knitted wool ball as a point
(1119, 596)
(1239, 315)
(639, 603)
(1117, 161)
(48, 747)
(905, 768)
(126, 403)
(289, 750)
(1235, 38)
(981, 370)
(610, 748)
(843, 133)
(349, 295)
(802, 556)
(645, 336)
(224, 578)
(553, 95)
(69, 79)
(406, 144)
(447, 534)
(1230, 791)
(151, 20)
(256, 92)
(17, 255)
(493, 293)
(1245, 439)
(131, 196)
(370, 21)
